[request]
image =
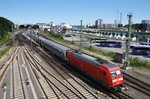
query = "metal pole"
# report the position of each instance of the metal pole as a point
(127, 63)
(81, 36)
(31, 39)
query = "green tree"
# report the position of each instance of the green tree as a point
(121, 34)
(5, 27)
(132, 35)
(106, 33)
(45, 30)
(127, 35)
(3, 34)
(21, 26)
(137, 36)
(109, 34)
(113, 34)
(117, 34)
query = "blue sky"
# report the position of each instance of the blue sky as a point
(72, 11)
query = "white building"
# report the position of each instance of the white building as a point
(59, 28)
(43, 26)
(64, 25)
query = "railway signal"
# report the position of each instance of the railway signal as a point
(127, 50)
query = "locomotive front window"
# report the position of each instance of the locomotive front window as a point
(115, 73)
(118, 72)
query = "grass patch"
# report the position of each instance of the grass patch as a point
(136, 62)
(110, 55)
(4, 51)
(6, 40)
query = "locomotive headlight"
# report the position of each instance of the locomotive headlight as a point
(115, 80)
(120, 78)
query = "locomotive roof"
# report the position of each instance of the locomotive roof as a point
(110, 65)
(52, 43)
(92, 60)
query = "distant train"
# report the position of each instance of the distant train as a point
(104, 42)
(106, 74)
(96, 40)
(109, 43)
(141, 50)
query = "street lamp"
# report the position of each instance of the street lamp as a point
(129, 15)
(127, 51)
(81, 36)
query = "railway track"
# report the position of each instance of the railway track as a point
(5, 64)
(69, 78)
(45, 87)
(112, 95)
(13, 84)
(52, 80)
(70, 85)
(17, 79)
(123, 95)
(137, 84)
(13, 80)
(55, 82)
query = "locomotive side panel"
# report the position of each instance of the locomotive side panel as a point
(99, 75)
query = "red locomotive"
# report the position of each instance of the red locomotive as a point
(107, 74)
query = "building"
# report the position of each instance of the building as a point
(51, 27)
(98, 23)
(64, 25)
(109, 26)
(16, 26)
(145, 21)
(43, 26)
(145, 25)
(60, 28)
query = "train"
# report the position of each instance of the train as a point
(95, 39)
(109, 43)
(141, 50)
(104, 42)
(99, 70)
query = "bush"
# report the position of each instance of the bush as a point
(100, 52)
(136, 62)
(3, 34)
(55, 35)
(3, 52)
(5, 40)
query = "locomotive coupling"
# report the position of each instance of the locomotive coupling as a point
(122, 88)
